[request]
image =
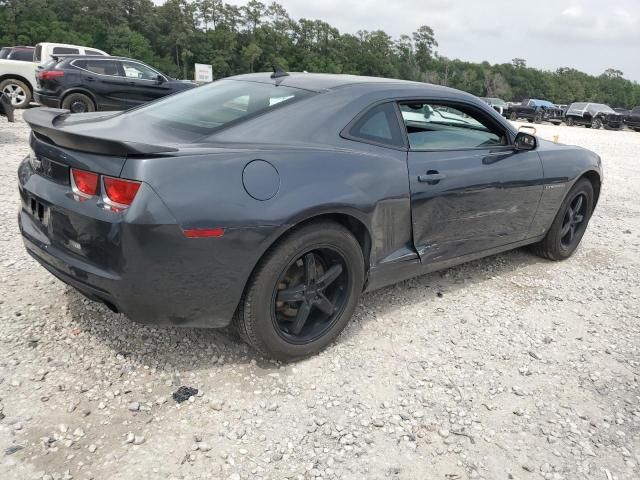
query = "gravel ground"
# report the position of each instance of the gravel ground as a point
(511, 367)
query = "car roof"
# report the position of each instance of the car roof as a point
(75, 56)
(326, 81)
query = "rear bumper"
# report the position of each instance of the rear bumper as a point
(46, 100)
(138, 262)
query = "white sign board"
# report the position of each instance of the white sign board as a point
(204, 73)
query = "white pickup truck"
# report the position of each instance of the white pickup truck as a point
(18, 79)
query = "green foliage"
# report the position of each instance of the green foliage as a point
(175, 35)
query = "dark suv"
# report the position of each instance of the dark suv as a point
(86, 83)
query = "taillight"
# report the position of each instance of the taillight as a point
(119, 191)
(83, 182)
(50, 74)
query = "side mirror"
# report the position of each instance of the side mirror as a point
(6, 109)
(525, 141)
(160, 79)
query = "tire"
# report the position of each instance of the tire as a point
(570, 122)
(555, 246)
(261, 318)
(18, 92)
(513, 116)
(537, 118)
(78, 103)
(637, 129)
(596, 123)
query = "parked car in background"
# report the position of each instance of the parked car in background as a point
(632, 120)
(18, 78)
(6, 109)
(536, 111)
(497, 104)
(81, 83)
(274, 201)
(593, 115)
(22, 54)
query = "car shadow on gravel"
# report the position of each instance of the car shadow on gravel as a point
(191, 349)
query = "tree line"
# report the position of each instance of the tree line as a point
(238, 39)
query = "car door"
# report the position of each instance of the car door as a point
(470, 190)
(143, 84)
(101, 76)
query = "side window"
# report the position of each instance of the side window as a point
(433, 126)
(65, 51)
(137, 70)
(92, 52)
(101, 67)
(379, 125)
(22, 55)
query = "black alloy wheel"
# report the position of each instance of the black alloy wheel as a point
(570, 122)
(78, 103)
(567, 229)
(303, 292)
(574, 220)
(596, 123)
(310, 295)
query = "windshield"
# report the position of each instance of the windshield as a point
(497, 101)
(543, 103)
(201, 111)
(599, 107)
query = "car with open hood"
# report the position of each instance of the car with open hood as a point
(271, 202)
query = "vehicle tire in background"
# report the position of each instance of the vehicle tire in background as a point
(570, 223)
(570, 122)
(596, 123)
(303, 292)
(78, 103)
(18, 92)
(513, 116)
(537, 118)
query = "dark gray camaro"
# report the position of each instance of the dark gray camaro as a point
(276, 201)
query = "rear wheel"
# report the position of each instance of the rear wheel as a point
(78, 103)
(18, 92)
(303, 292)
(570, 223)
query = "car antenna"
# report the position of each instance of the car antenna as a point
(278, 72)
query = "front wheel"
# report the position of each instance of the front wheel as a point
(303, 292)
(596, 123)
(570, 122)
(570, 223)
(513, 116)
(18, 92)
(538, 117)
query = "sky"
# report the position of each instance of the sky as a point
(590, 35)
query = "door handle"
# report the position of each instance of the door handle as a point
(91, 79)
(432, 177)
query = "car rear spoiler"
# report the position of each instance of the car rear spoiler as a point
(43, 123)
(6, 109)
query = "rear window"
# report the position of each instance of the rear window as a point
(203, 110)
(38, 55)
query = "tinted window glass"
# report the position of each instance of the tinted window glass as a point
(38, 55)
(4, 52)
(22, 54)
(201, 111)
(433, 126)
(101, 67)
(92, 52)
(65, 51)
(137, 70)
(380, 125)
